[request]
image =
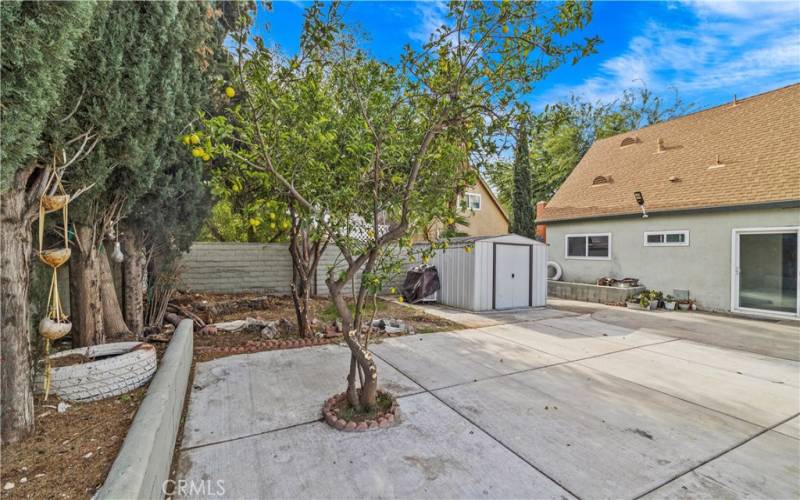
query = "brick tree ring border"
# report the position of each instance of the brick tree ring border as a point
(388, 418)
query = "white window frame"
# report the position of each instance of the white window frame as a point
(684, 232)
(585, 235)
(480, 201)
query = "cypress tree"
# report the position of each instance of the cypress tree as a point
(522, 201)
(129, 73)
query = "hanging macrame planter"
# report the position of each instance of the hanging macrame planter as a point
(55, 324)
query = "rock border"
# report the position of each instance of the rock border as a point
(267, 345)
(143, 463)
(253, 346)
(388, 419)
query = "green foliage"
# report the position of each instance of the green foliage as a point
(367, 153)
(125, 83)
(39, 47)
(563, 133)
(172, 210)
(522, 220)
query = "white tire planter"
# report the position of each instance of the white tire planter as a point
(556, 270)
(129, 365)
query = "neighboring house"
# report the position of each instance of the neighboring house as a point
(721, 188)
(485, 216)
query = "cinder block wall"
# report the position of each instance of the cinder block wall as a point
(254, 267)
(249, 267)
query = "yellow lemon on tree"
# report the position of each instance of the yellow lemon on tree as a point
(255, 222)
(272, 225)
(206, 157)
(393, 290)
(272, 216)
(230, 92)
(400, 299)
(468, 249)
(186, 139)
(450, 220)
(505, 28)
(194, 138)
(198, 152)
(285, 224)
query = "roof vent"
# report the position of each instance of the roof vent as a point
(628, 141)
(660, 148)
(735, 102)
(674, 178)
(716, 164)
(601, 180)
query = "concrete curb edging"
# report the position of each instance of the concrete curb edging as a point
(143, 463)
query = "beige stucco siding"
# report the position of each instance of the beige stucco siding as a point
(703, 267)
(489, 220)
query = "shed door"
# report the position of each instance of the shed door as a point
(512, 279)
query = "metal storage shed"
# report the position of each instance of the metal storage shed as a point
(500, 272)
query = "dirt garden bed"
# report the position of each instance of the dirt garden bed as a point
(70, 453)
(215, 308)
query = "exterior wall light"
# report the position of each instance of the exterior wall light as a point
(640, 201)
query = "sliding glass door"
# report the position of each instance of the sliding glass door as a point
(766, 271)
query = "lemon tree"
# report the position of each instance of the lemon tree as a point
(370, 154)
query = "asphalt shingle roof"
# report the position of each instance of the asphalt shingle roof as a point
(756, 142)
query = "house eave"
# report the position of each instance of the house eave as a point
(682, 211)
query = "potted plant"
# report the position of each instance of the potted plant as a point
(684, 305)
(655, 298)
(644, 301)
(633, 302)
(669, 303)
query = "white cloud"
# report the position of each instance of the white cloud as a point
(753, 46)
(432, 15)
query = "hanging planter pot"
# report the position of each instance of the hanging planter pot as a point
(53, 203)
(117, 255)
(56, 257)
(54, 330)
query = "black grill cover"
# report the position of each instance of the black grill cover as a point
(420, 282)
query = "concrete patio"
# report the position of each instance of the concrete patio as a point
(547, 403)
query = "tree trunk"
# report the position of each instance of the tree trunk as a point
(133, 278)
(361, 359)
(84, 288)
(305, 258)
(16, 393)
(113, 322)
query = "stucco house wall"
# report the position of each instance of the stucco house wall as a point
(489, 220)
(703, 267)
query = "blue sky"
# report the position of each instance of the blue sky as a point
(707, 50)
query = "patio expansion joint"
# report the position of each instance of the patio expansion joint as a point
(672, 356)
(695, 403)
(247, 436)
(610, 338)
(720, 454)
(526, 370)
(481, 429)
